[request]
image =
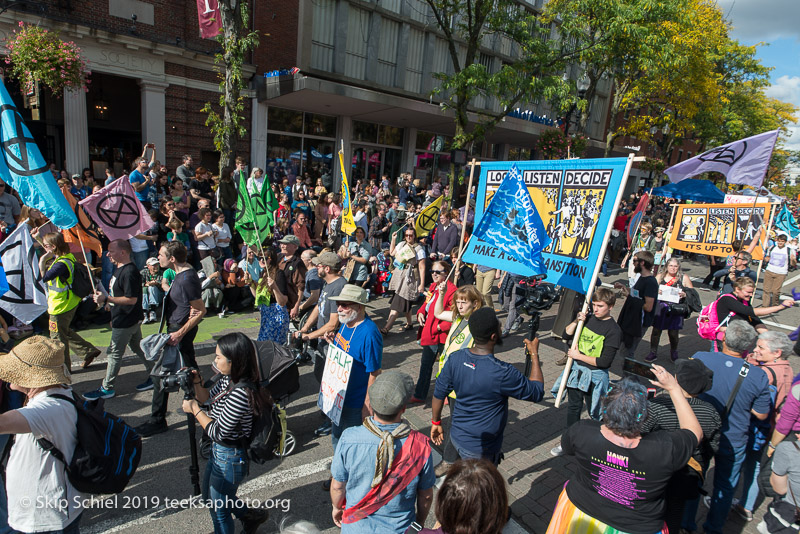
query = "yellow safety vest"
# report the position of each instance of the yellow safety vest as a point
(462, 340)
(59, 297)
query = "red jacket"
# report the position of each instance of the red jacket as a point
(435, 331)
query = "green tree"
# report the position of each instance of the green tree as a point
(236, 40)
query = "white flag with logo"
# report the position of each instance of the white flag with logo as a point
(26, 298)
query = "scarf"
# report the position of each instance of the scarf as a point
(385, 454)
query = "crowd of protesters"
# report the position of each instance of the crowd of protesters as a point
(719, 408)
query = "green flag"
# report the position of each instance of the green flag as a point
(254, 212)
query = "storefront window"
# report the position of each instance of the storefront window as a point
(366, 132)
(432, 142)
(390, 135)
(284, 156)
(321, 125)
(285, 120)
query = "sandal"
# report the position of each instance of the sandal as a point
(408, 327)
(384, 331)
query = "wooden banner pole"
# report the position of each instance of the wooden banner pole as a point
(461, 246)
(669, 232)
(593, 282)
(86, 259)
(764, 241)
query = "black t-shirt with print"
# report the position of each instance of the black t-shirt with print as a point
(126, 282)
(601, 340)
(621, 487)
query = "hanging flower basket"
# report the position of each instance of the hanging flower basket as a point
(38, 55)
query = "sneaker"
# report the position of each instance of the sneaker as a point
(562, 361)
(707, 501)
(557, 451)
(253, 519)
(442, 469)
(747, 515)
(147, 385)
(153, 318)
(90, 358)
(516, 325)
(146, 319)
(674, 355)
(324, 429)
(416, 400)
(651, 356)
(100, 393)
(151, 428)
(221, 315)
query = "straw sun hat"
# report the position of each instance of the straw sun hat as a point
(35, 362)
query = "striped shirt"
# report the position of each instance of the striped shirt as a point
(230, 411)
(661, 416)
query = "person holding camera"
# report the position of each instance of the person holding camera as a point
(598, 343)
(227, 412)
(669, 316)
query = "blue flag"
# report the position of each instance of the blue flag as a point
(512, 224)
(24, 168)
(3, 280)
(786, 223)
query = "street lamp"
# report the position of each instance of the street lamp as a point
(659, 142)
(582, 85)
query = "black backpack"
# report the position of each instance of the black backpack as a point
(266, 432)
(81, 285)
(107, 453)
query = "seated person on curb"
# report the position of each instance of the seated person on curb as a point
(383, 469)
(482, 384)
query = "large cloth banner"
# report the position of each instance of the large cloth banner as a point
(84, 232)
(26, 298)
(575, 199)
(711, 229)
(117, 211)
(348, 221)
(209, 18)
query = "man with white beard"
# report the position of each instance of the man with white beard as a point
(359, 337)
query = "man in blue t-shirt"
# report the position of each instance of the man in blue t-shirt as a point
(482, 384)
(359, 337)
(140, 180)
(752, 400)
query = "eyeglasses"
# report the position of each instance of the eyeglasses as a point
(437, 272)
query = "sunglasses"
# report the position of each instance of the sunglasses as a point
(437, 272)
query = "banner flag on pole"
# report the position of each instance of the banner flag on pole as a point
(636, 218)
(570, 197)
(84, 231)
(26, 298)
(117, 211)
(742, 162)
(786, 223)
(512, 224)
(209, 18)
(254, 219)
(711, 229)
(427, 219)
(24, 168)
(348, 222)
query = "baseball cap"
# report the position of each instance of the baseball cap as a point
(483, 323)
(352, 293)
(152, 261)
(331, 259)
(390, 392)
(290, 240)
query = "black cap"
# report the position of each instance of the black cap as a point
(693, 376)
(483, 323)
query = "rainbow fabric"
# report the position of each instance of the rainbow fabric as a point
(568, 519)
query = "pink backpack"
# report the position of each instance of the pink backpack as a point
(708, 324)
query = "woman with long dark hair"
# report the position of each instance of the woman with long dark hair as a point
(227, 413)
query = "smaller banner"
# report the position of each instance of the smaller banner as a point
(254, 212)
(742, 162)
(338, 365)
(209, 18)
(117, 211)
(348, 225)
(786, 223)
(427, 219)
(85, 231)
(711, 229)
(744, 199)
(26, 298)
(636, 218)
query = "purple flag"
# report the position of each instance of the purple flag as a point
(117, 211)
(742, 162)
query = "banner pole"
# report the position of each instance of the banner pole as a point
(461, 246)
(638, 223)
(764, 241)
(669, 232)
(750, 218)
(86, 259)
(593, 282)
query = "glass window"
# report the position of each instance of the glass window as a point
(390, 135)
(285, 120)
(319, 158)
(366, 132)
(432, 142)
(321, 125)
(284, 156)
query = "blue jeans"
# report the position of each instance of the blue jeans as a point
(140, 258)
(465, 454)
(727, 469)
(152, 297)
(350, 417)
(224, 472)
(107, 272)
(750, 470)
(430, 354)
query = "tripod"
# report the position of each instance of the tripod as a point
(194, 467)
(533, 329)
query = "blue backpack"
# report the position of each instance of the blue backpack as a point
(107, 453)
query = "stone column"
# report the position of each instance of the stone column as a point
(154, 128)
(258, 135)
(344, 132)
(76, 131)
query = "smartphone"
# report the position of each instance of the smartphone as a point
(643, 369)
(150, 145)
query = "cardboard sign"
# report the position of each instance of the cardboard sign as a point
(338, 365)
(712, 228)
(575, 200)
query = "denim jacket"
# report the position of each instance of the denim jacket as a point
(583, 378)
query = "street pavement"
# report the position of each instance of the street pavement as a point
(158, 498)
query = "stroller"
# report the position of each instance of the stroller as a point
(279, 373)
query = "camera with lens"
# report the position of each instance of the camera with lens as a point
(537, 296)
(181, 379)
